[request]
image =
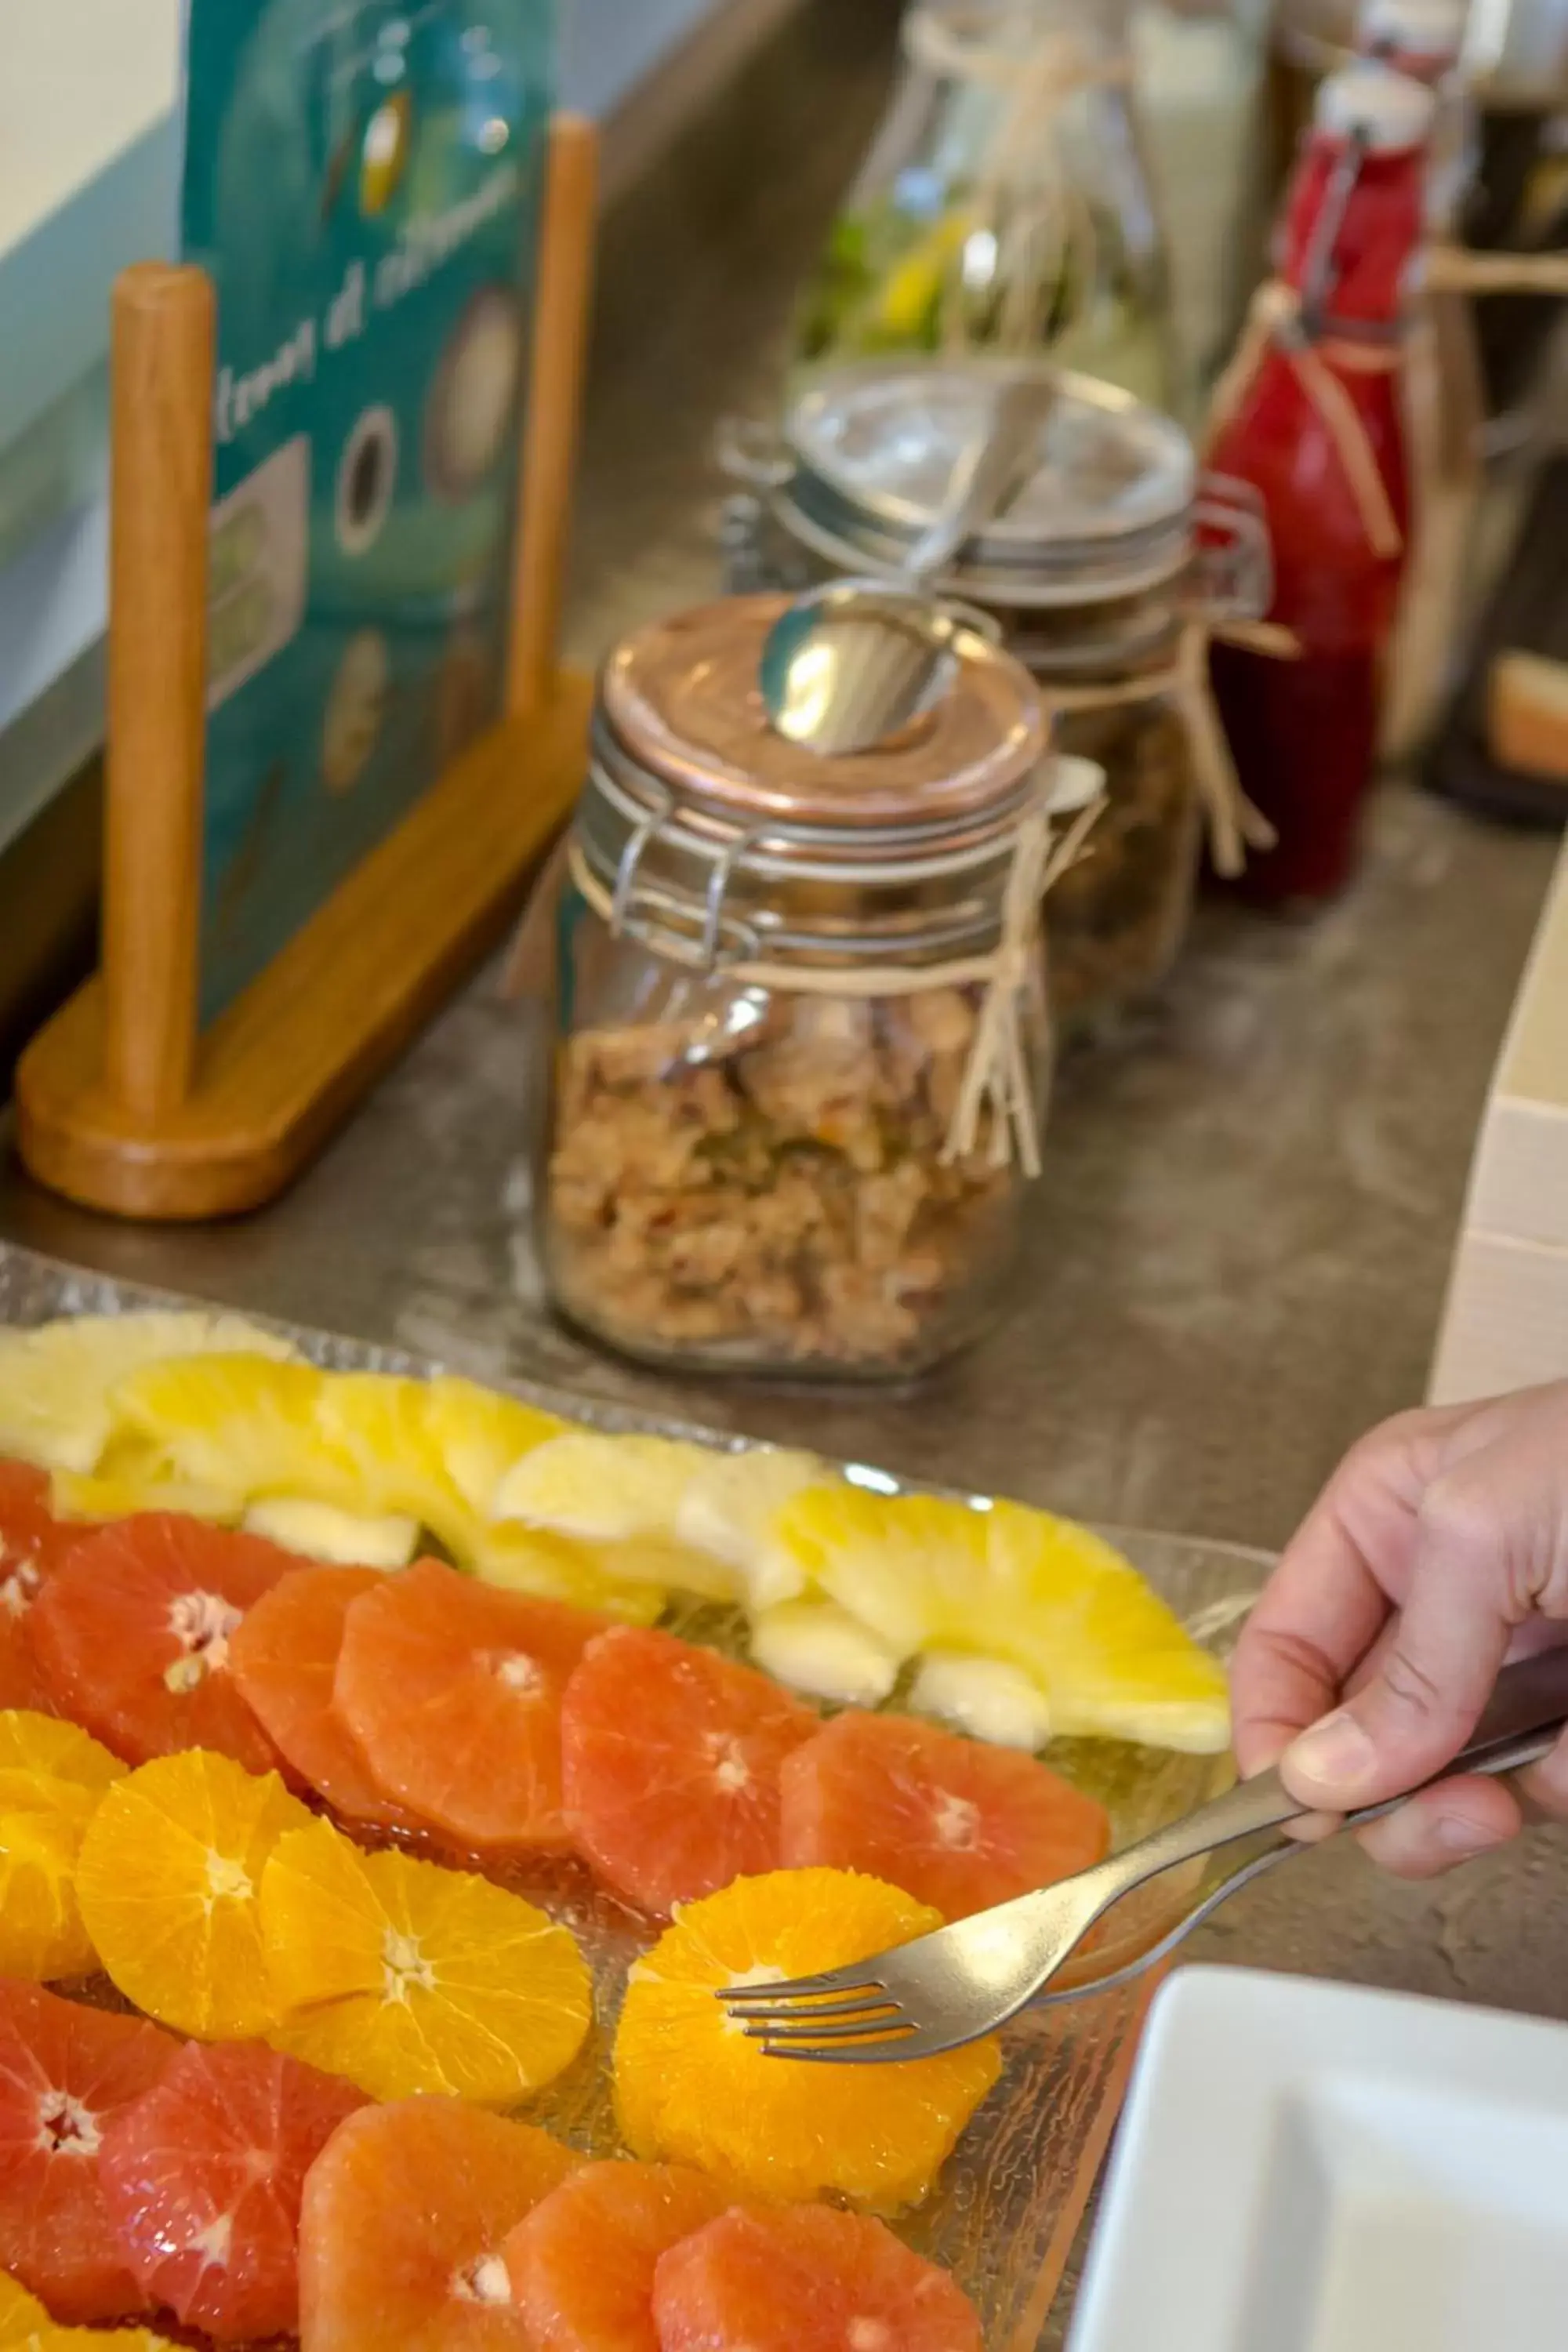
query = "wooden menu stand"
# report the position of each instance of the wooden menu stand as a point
(121, 1104)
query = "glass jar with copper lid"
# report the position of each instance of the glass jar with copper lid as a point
(1105, 575)
(801, 1044)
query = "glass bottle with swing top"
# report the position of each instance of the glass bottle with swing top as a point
(1311, 416)
(1005, 205)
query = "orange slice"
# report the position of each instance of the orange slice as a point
(407, 1977)
(405, 2213)
(41, 1744)
(89, 2339)
(19, 2310)
(167, 1882)
(42, 1823)
(690, 2089)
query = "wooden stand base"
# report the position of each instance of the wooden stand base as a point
(278, 1070)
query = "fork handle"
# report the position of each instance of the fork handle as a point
(1529, 1696)
(1504, 1756)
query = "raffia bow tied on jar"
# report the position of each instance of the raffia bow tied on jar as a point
(803, 1043)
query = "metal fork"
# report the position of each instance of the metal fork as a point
(964, 1980)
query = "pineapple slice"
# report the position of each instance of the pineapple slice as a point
(559, 1567)
(624, 1497)
(340, 1539)
(240, 1423)
(885, 1560)
(983, 1697)
(377, 1424)
(728, 1507)
(1038, 1593)
(816, 1647)
(606, 1489)
(57, 1382)
(479, 1433)
(119, 1494)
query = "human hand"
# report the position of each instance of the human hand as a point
(1438, 1550)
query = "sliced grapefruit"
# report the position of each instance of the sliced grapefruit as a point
(65, 2072)
(670, 1759)
(406, 1977)
(452, 1690)
(133, 1635)
(203, 2178)
(283, 1659)
(956, 1823)
(583, 2262)
(691, 2089)
(31, 1543)
(167, 1882)
(407, 2211)
(776, 2281)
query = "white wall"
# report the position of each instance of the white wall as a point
(607, 46)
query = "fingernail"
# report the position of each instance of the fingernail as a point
(1456, 1835)
(1336, 1755)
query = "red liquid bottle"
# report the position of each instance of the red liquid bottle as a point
(1316, 429)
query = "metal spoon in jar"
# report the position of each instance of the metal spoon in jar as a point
(848, 665)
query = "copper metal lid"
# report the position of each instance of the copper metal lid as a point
(681, 697)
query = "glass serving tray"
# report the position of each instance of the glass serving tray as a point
(1004, 2213)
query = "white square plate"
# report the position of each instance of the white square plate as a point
(1308, 2168)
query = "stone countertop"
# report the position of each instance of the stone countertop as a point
(1237, 1254)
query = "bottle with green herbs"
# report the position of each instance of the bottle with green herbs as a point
(1004, 206)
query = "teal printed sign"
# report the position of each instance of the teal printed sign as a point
(364, 184)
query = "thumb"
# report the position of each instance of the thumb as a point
(1430, 1680)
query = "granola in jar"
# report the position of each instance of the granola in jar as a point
(758, 1156)
(787, 1196)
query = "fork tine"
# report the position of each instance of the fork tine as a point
(850, 1980)
(896, 2050)
(807, 2012)
(860, 2029)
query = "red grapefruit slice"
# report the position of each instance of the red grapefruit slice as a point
(806, 2279)
(956, 1823)
(65, 2072)
(670, 1759)
(133, 1634)
(202, 2180)
(31, 1543)
(405, 2212)
(452, 1690)
(284, 1658)
(583, 2262)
